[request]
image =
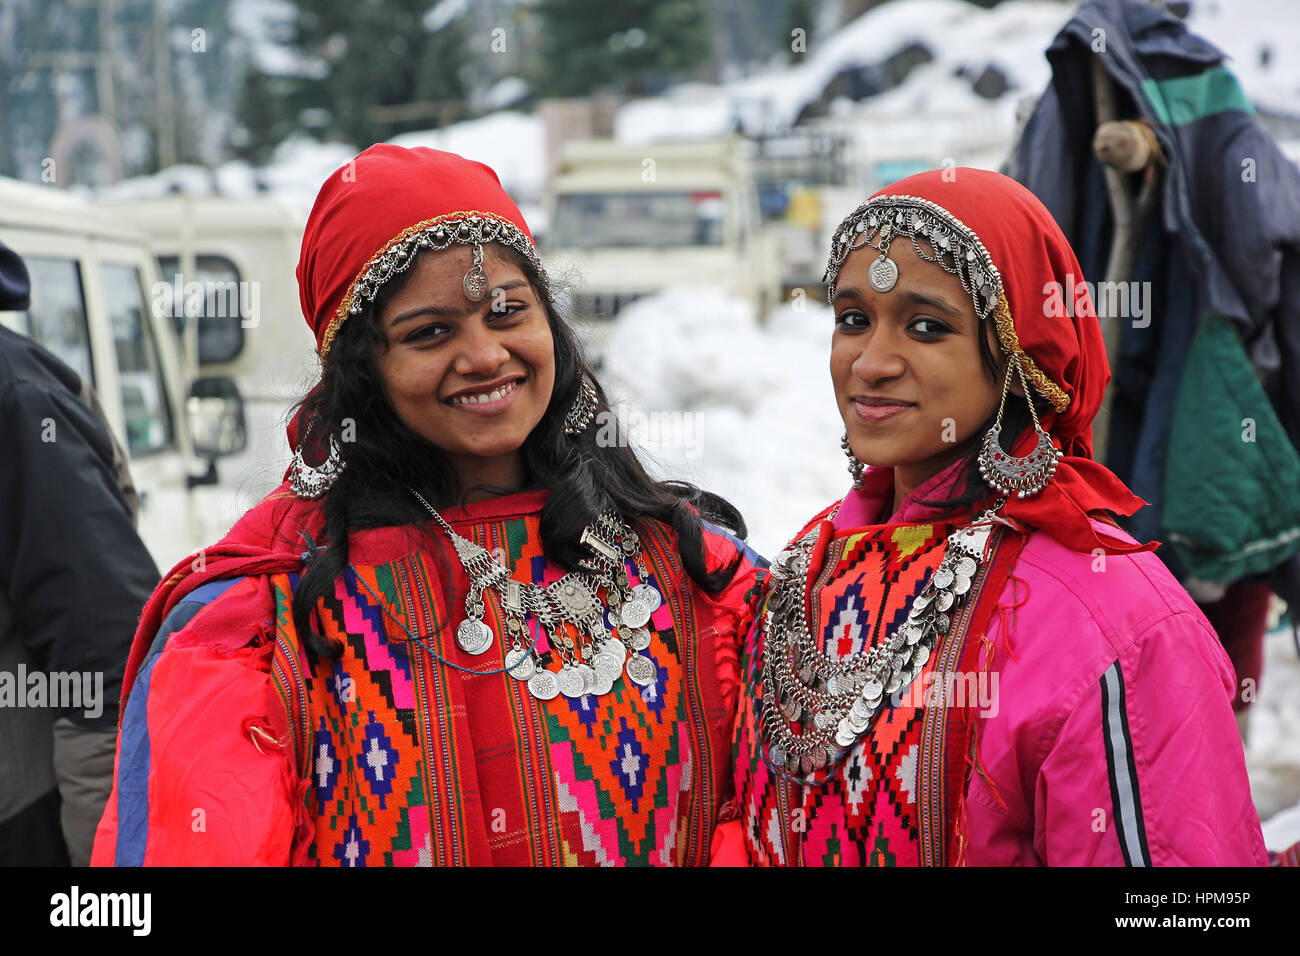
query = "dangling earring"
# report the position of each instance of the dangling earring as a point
(309, 482)
(582, 409)
(1005, 472)
(855, 466)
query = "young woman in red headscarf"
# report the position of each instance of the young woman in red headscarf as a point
(965, 661)
(469, 629)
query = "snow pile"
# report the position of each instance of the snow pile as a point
(960, 36)
(1273, 742)
(1262, 37)
(741, 410)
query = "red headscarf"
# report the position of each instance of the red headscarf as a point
(372, 205)
(1053, 324)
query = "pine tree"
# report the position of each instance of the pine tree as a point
(385, 73)
(632, 46)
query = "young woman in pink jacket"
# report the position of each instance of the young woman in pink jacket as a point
(965, 661)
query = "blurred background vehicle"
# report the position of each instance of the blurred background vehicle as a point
(91, 283)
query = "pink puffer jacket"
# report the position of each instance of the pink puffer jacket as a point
(1108, 737)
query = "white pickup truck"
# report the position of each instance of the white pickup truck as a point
(94, 281)
(634, 220)
(228, 285)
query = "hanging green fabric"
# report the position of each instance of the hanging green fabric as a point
(1232, 476)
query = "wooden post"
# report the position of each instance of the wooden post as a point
(1122, 147)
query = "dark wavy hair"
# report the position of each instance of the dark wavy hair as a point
(384, 458)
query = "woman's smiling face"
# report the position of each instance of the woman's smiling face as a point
(474, 378)
(909, 380)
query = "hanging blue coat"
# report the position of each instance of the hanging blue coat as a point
(1223, 240)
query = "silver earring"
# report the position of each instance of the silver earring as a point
(1005, 472)
(856, 467)
(309, 482)
(582, 409)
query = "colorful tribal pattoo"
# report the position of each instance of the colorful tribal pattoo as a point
(413, 762)
(866, 813)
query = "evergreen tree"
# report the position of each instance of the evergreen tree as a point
(632, 46)
(384, 72)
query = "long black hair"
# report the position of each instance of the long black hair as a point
(383, 458)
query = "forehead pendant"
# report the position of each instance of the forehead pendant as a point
(475, 281)
(883, 274)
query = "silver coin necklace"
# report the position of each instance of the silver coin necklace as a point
(601, 654)
(815, 706)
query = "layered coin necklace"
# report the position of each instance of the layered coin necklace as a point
(599, 657)
(833, 702)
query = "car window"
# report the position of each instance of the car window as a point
(217, 300)
(145, 408)
(658, 219)
(57, 316)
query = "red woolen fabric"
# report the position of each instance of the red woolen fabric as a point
(1034, 258)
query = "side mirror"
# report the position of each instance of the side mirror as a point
(216, 417)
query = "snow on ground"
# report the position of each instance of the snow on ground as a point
(740, 410)
(1012, 37)
(1273, 742)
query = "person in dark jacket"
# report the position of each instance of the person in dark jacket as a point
(1206, 415)
(74, 576)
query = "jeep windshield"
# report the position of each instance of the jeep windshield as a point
(657, 219)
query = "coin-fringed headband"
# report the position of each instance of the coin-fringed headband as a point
(470, 227)
(940, 237)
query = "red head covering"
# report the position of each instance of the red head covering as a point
(375, 213)
(1049, 321)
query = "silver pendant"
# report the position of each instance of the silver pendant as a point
(647, 595)
(577, 600)
(570, 683)
(634, 613)
(588, 675)
(921, 655)
(519, 664)
(641, 670)
(845, 736)
(872, 688)
(883, 274)
(806, 763)
(607, 665)
(639, 639)
(944, 601)
(966, 567)
(615, 649)
(942, 578)
(818, 757)
(604, 683)
(474, 637)
(543, 685)
(776, 755)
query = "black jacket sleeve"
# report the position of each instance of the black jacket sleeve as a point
(74, 571)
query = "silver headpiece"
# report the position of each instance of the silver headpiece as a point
(468, 228)
(436, 235)
(936, 235)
